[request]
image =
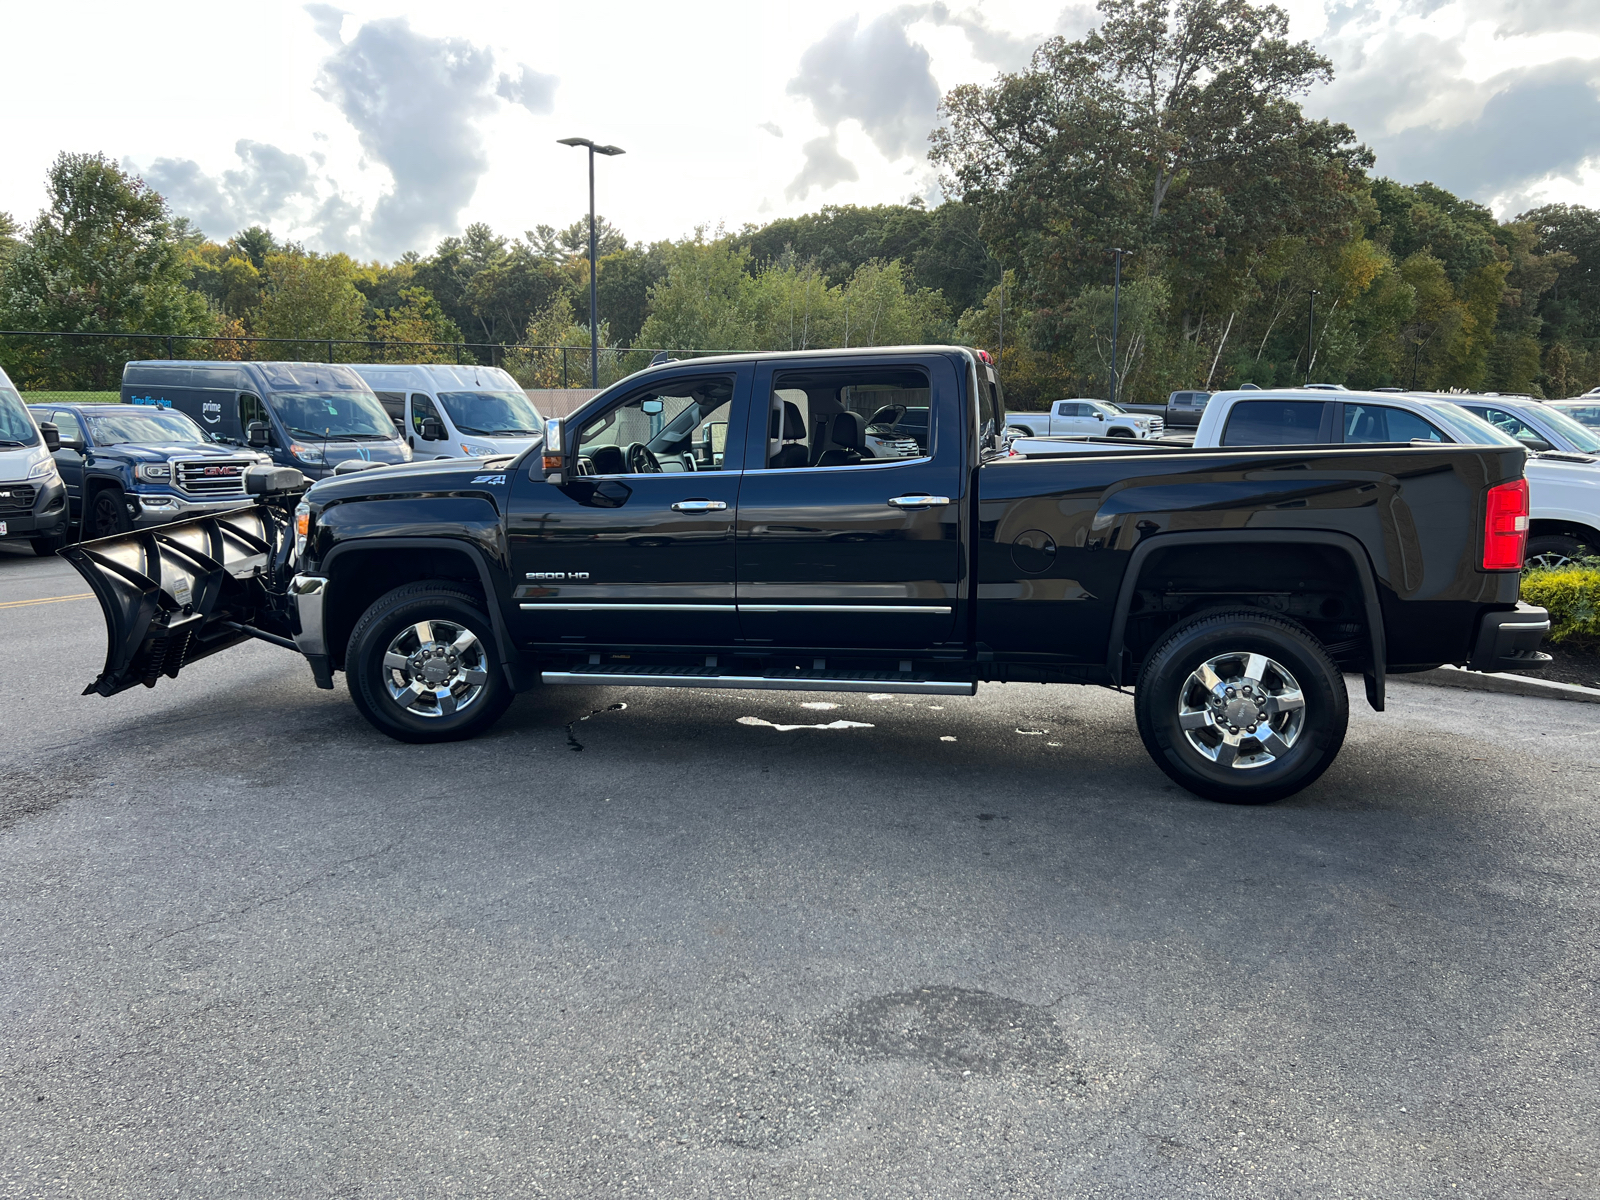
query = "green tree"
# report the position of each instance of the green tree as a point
(707, 301)
(418, 318)
(102, 257)
(313, 297)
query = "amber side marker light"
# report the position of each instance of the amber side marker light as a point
(1505, 526)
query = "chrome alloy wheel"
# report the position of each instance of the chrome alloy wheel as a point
(1241, 710)
(435, 668)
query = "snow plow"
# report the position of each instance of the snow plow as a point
(175, 594)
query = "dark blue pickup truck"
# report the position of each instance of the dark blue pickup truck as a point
(128, 468)
(725, 523)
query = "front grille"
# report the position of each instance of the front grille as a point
(210, 477)
(17, 497)
(1158, 426)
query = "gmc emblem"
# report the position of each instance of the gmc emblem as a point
(222, 470)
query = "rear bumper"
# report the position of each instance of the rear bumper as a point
(1509, 641)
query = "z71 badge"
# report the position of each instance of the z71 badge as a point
(489, 479)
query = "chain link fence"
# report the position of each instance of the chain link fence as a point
(87, 367)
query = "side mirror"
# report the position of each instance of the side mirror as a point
(1099, 416)
(1537, 444)
(257, 434)
(432, 429)
(553, 452)
(51, 435)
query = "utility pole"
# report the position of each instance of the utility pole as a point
(594, 295)
(1116, 304)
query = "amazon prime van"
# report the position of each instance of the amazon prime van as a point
(314, 415)
(455, 412)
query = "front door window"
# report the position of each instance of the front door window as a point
(681, 428)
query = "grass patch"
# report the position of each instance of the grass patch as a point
(72, 397)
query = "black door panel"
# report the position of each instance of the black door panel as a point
(826, 558)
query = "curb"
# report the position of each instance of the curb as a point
(1495, 681)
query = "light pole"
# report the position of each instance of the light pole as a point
(1311, 325)
(594, 300)
(1116, 304)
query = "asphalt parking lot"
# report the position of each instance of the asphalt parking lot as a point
(648, 943)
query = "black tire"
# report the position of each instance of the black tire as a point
(106, 515)
(389, 623)
(1120, 433)
(44, 547)
(1168, 681)
(1552, 550)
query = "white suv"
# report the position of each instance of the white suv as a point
(1564, 486)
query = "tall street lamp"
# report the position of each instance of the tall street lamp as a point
(1116, 303)
(594, 300)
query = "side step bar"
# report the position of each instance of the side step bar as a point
(799, 681)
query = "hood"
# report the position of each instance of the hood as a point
(393, 451)
(16, 462)
(502, 445)
(140, 452)
(425, 475)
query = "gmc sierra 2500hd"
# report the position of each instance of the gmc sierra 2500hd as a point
(719, 523)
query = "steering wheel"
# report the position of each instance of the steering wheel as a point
(640, 460)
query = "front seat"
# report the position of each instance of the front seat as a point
(848, 436)
(793, 453)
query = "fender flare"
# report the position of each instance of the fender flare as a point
(510, 656)
(1116, 653)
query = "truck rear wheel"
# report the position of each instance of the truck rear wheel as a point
(423, 667)
(1244, 707)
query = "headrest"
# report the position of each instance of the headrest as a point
(849, 430)
(794, 425)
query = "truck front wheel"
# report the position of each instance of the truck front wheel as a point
(1244, 707)
(422, 665)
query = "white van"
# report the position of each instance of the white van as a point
(33, 499)
(455, 412)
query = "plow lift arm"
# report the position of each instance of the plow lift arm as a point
(177, 593)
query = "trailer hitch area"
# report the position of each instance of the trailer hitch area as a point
(177, 593)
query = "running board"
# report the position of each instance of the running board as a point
(800, 681)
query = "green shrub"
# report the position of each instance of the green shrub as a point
(1572, 595)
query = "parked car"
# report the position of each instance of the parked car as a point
(896, 431)
(1086, 418)
(33, 498)
(1185, 408)
(310, 416)
(454, 412)
(1234, 586)
(1565, 486)
(128, 468)
(1585, 412)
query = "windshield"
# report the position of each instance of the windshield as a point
(333, 416)
(1581, 437)
(142, 426)
(488, 414)
(16, 425)
(1584, 414)
(1107, 406)
(1466, 428)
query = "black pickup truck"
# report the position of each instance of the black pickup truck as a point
(722, 523)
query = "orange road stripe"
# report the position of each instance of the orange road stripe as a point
(46, 600)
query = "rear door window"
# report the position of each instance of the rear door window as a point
(1380, 423)
(1274, 423)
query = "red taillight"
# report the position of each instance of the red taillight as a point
(1505, 526)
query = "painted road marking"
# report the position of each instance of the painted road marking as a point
(46, 600)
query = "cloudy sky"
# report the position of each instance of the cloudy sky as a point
(380, 127)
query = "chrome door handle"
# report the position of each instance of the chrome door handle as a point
(699, 506)
(918, 501)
